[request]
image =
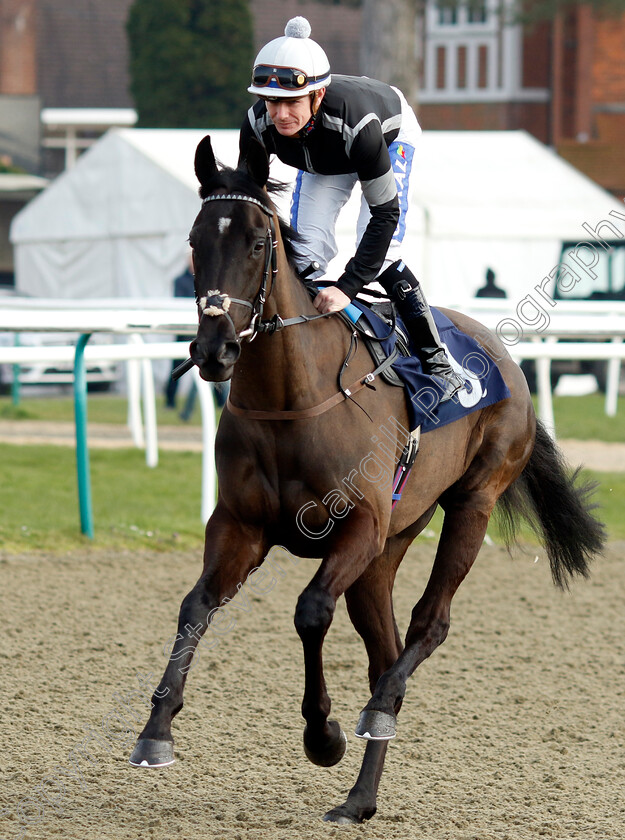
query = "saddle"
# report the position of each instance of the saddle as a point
(385, 311)
(387, 341)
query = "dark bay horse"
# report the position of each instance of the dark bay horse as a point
(291, 442)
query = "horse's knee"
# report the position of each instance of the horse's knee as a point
(197, 605)
(429, 634)
(313, 614)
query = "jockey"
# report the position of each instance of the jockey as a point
(337, 130)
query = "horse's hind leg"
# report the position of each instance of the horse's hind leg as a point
(464, 528)
(231, 551)
(370, 607)
(352, 551)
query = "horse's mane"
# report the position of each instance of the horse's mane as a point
(237, 180)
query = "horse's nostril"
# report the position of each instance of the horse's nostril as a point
(214, 356)
(229, 352)
(197, 350)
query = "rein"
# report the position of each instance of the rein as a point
(216, 303)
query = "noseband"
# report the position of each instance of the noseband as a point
(216, 303)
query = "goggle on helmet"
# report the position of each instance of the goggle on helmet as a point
(290, 66)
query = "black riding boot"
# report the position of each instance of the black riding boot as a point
(405, 290)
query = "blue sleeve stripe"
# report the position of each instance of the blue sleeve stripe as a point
(295, 199)
(402, 155)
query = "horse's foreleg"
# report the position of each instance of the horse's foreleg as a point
(462, 535)
(231, 551)
(352, 551)
(370, 607)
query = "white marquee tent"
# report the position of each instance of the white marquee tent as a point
(117, 223)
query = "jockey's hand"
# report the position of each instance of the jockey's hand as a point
(331, 300)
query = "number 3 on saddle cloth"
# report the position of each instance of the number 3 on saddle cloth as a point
(484, 384)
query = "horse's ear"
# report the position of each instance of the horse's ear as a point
(205, 166)
(256, 162)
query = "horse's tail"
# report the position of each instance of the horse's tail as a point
(556, 505)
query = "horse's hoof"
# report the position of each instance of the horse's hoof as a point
(151, 753)
(335, 816)
(346, 815)
(376, 726)
(329, 753)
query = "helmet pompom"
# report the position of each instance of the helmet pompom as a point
(297, 27)
(294, 51)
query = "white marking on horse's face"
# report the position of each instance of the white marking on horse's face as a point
(224, 224)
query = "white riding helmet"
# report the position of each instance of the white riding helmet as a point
(290, 66)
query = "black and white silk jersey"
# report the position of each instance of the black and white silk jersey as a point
(357, 121)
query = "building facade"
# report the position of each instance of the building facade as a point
(563, 80)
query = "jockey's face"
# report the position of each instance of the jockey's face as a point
(291, 115)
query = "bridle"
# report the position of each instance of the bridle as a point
(216, 303)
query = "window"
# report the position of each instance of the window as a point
(454, 12)
(477, 12)
(471, 55)
(447, 13)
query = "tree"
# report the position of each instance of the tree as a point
(389, 42)
(190, 62)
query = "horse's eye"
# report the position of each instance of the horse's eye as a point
(259, 246)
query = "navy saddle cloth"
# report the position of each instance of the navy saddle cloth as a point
(484, 384)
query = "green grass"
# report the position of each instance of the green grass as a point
(132, 503)
(160, 508)
(101, 408)
(610, 495)
(584, 418)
